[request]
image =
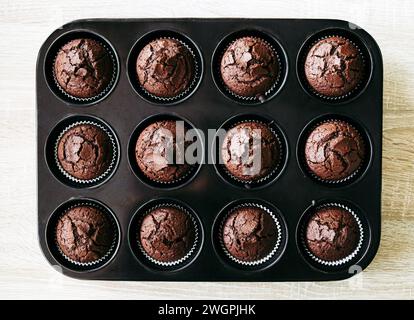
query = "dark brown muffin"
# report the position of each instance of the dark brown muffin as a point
(158, 153)
(332, 234)
(249, 67)
(165, 67)
(84, 234)
(167, 234)
(334, 150)
(334, 67)
(83, 68)
(249, 234)
(240, 151)
(85, 151)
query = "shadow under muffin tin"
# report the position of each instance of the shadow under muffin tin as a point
(207, 194)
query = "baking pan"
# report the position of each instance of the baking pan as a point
(291, 107)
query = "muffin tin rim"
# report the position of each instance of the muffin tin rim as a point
(361, 129)
(137, 211)
(284, 61)
(131, 145)
(283, 140)
(366, 243)
(131, 55)
(226, 262)
(49, 141)
(94, 35)
(306, 45)
(74, 200)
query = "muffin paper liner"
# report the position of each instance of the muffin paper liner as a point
(193, 83)
(342, 261)
(257, 98)
(111, 250)
(190, 172)
(275, 169)
(336, 98)
(189, 253)
(339, 181)
(104, 92)
(111, 165)
(268, 256)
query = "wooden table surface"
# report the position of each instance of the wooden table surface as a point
(24, 273)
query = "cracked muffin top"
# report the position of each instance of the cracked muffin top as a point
(334, 67)
(167, 234)
(250, 151)
(332, 234)
(165, 68)
(159, 154)
(334, 150)
(249, 67)
(85, 151)
(84, 234)
(249, 233)
(83, 68)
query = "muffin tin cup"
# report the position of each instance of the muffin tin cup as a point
(265, 95)
(139, 251)
(190, 252)
(111, 166)
(261, 182)
(272, 173)
(50, 151)
(268, 256)
(364, 53)
(84, 266)
(192, 49)
(192, 83)
(272, 257)
(61, 92)
(271, 44)
(177, 183)
(341, 263)
(339, 182)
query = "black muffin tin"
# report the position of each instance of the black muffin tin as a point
(290, 107)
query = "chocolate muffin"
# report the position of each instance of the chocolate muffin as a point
(165, 68)
(85, 151)
(159, 155)
(83, 68)
(332, 234)
(84, 234)
(250, 151)
(334, 67)
(249, 234)
(334, 150)
(249, 67)
(167, 234)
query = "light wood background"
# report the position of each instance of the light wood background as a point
(24, 25)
